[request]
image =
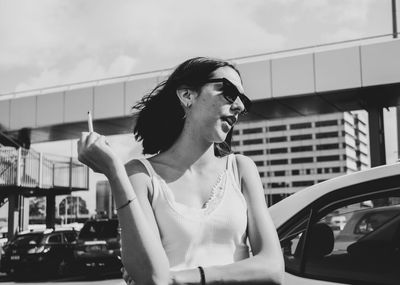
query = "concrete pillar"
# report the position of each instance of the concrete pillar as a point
(13, 215)
(50, 210)
(23, 213)
(376, 136)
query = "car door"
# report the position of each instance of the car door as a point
(55, 242)
(314, 253)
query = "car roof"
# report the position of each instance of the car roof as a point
(288, 207)
(46, 231)
(358, 213)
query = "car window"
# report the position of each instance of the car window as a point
(291, 244)
(28, 239)
(99, 229)
(55, 238)
(70, 236)
(357, 242)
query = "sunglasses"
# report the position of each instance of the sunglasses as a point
(230, 93)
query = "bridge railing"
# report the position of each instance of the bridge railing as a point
(28, 168)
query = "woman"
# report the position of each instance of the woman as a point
(187, 212)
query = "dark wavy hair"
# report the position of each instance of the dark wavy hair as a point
(159, 115)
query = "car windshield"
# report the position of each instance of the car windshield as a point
(28, 239)
(99, 229)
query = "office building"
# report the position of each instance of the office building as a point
(293, 153)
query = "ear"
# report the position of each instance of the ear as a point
(185, 95)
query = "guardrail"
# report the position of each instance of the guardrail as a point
(31, 169)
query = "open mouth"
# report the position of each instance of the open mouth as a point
(231, 120)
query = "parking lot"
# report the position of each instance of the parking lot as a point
(111, 278)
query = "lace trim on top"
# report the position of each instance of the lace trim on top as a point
(216, 195)
(217, 192)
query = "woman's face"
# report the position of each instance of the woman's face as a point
(212, 114)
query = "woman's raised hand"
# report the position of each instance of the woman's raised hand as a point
(96, 152)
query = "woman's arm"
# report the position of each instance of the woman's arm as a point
(266, 266)
(142, 253)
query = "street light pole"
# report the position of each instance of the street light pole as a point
(394, 19)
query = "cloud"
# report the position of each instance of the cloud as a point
(87, 69)
(79, 40)
(67, 41)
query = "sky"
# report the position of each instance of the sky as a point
(50, 42)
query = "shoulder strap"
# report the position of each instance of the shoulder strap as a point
(233, 165)
(151, 172)
(147, 165)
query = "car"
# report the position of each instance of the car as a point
(362, 222)
(99, 245)
(39, 251)
(366, 250)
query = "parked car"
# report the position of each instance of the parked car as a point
(363, 222)
(99, 245)
(364, 251)
(44, 251)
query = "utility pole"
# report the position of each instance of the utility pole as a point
(394, 19)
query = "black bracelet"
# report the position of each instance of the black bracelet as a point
(127, 203)
(202, 276)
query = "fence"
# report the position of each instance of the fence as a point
(28, 168)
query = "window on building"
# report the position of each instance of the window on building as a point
(261, 174)
(328, 158)
(253, 152)
(361, 132)
(252, 141)
(236, 132)
(277, 128)
(301, 137)
(344, 133)
(277, 139)
(277, 185)
(335, 169)
(278, 150)
(278, 161)
(302, 160)
(327, 135)
(252, 131)
(302, 183)
(327, 146)
(301, 148)
(326, 123)
(348, 145)
(279, 173)
(300, 126)
(235, 143)
(295, 172)
(259, 163)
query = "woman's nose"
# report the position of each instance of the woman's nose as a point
(238, 105)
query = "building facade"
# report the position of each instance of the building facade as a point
(293, 153)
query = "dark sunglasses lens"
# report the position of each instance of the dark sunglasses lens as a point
(231, 93)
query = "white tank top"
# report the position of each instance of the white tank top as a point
(212, 235)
